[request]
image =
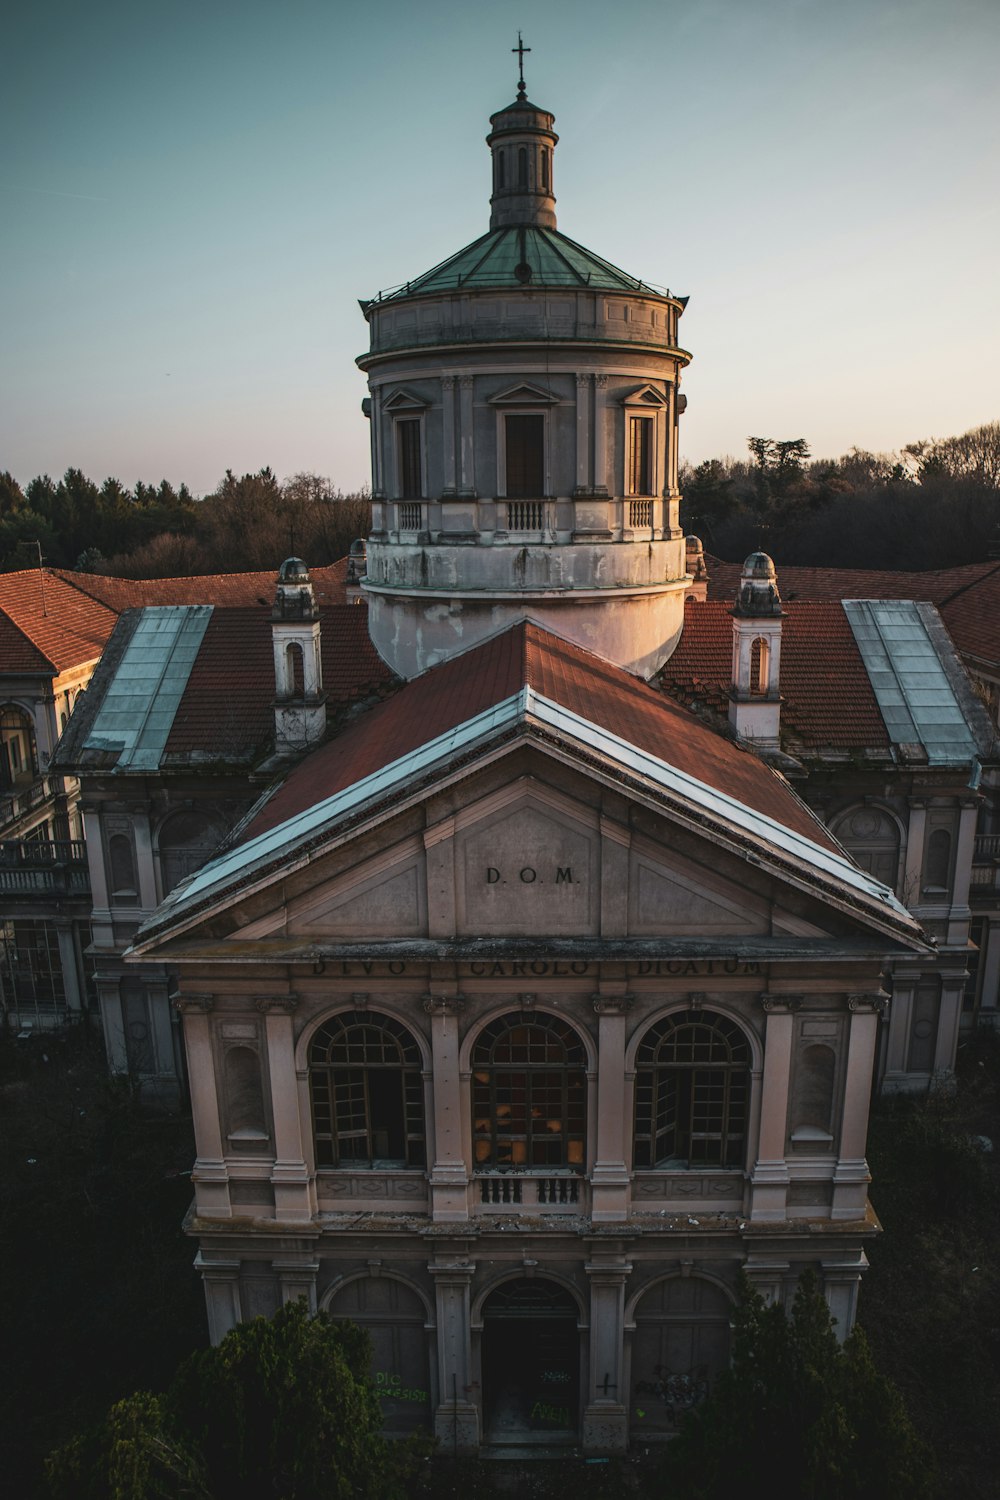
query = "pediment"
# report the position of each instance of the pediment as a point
(524, 394)
(645, 395)
(382, 897)
(404, 401)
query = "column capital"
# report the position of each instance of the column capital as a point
(601, 381)
(283, 1004)
(780, 1004)
(448, 382)
(193, 1004)
(443, 1005)
(582, 381)
(875, 1000)
(612, 1005)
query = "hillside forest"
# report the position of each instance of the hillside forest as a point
(934, 504)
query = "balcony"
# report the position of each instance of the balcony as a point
(986, 864)
(44, 867)
(529, 1193)
(15, 803)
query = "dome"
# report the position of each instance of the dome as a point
(358, 547)
(759, 566)
(293, 570)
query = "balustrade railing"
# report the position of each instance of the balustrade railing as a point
(986, 847)
(410, 515)
(640, 513)
(30, 867)
(548, 1192)
(525, 515)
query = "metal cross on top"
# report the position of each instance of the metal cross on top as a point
(520, 49)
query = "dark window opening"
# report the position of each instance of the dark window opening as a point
(367, 1094)
(501, 169)
(529, 1095)
(691, 1093)
(525, 456)
(522, 166)
(640, 455)
(411, 485)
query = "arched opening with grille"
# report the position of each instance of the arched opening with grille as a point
(529, 1095)
(692, 1089)
(367, 1093)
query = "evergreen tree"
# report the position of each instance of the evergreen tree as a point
(800, 1414)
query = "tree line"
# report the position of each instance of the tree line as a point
(934, 504)
(250, 521)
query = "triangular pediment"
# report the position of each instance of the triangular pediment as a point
(403, 401)
(524, 394)
(645, 395)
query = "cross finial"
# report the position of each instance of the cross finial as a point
(520, 49)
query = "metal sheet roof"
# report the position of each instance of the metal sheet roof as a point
(142, 699)
(523, 705)
(912, 688)
(493, 260)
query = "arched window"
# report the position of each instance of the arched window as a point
(938, 867)
(522, 166)
(121, 859)
(759, 666)
(871, 837)
(185, 841)
(294, 670)
(367, 1093)
(529, 1094)
(691, 1090)
(18, 760)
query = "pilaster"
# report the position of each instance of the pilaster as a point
(769, 1179)
(605, 1419)
(221, 1279)
(449, 1177)
(448, 432)
(584, 483)
(851, 1175)
(610, 1175)
(456, 1420)
(209, 1174)
(294, 1190)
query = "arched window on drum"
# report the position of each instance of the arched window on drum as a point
(692, 1088)
(367, 1093)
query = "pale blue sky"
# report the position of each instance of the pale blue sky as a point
(195, 195)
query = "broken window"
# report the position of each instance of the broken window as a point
(367, 1093)
(529, 1095)
(691, 1091)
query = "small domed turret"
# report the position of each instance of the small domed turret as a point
(758, 591)
(293, 570)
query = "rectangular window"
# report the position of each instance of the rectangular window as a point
(640, 455)
(411, 483)
(525, 456)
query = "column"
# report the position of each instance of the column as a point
(900, 1013)
(467, 466)
(449, 1178)
(914, 862)
(584, 484)
(850, 1178)
(769, 1179)
(456, 1420)
(294, 1196)
(378, 472)
(221, 1280)
(297, 1278)
(448, 431)
(144, 864)
(989, 965)
(841, 1283)
(960, 915)
(72, 987)
(610, 1176)
(209, 1176)
(605, 1418)
(949, 1020)
(601, 486)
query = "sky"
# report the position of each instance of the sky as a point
(196, 194)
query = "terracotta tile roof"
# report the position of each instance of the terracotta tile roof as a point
(968, 597)
(827, 698)
(226, 708)
(454, 692)
(247, 590)
(49, 626)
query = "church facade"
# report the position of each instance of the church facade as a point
(527, 1000)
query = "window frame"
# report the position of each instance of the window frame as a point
(508, 1139)
(704, 1084)
(349, 1093)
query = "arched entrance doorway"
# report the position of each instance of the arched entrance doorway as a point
(393, 1316)
(680, 1345)
(531, 1363)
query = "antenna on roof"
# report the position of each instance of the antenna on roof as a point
(41, 576)
(520, 49)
